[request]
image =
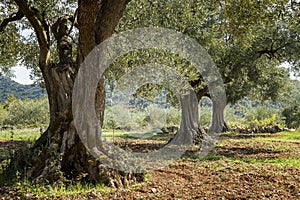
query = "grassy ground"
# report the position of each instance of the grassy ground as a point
(250, 166)
(27, 134)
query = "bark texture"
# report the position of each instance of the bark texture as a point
(190, 131)
(59, 155)
(189, 128)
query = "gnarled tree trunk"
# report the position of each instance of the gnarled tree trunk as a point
(190, 131)
(59, 155)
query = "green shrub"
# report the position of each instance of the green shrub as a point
(3, 115)
(156, 116)
(291, 114)
(252, 114)
(263, 116)
(130, 119)
(173, 116)
(29, 113)
(231, 118)
(205, 115)
(120, 117)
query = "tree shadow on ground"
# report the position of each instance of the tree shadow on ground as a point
(246, 152)
(6, 145)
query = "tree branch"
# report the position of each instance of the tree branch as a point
(271, 53)
(41, 29)
(73, 20)
(14, 17)
(204, 91)
(37, 24)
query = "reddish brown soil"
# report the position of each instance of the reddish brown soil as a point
(236, 169)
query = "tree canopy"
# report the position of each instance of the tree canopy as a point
(247, 40)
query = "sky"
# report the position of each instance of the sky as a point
(22, 75)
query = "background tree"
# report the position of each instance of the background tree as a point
(291, 111)
(247, 40)
(30, 113)
(61, 35)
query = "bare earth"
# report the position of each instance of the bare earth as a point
(236, 169)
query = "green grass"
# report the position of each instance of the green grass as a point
(58, 190)
(28, 134)
(63, 190)
(134, 135)
(294, 162)
(31, 134)
(109, 134)
(289, 136)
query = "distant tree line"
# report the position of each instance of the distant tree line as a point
(10, 87)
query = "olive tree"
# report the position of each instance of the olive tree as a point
(53, 38)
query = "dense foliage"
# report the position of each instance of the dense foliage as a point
(156, 113)
(247, 40)
(291, 110)
(25, 113)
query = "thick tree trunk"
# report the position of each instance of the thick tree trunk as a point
(59, 155)
(190, 130)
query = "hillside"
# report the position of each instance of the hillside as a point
(8, 86)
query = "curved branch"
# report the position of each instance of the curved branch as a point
(271, 53)
(38, 25)
(41, 30)
(14, 17)
(73, 20)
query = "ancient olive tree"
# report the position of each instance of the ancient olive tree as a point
(54, 37)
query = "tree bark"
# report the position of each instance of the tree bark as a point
(190, 131)
(59, 155)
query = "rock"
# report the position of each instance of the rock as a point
(153, 190)
(157, 130)
(261, 129)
